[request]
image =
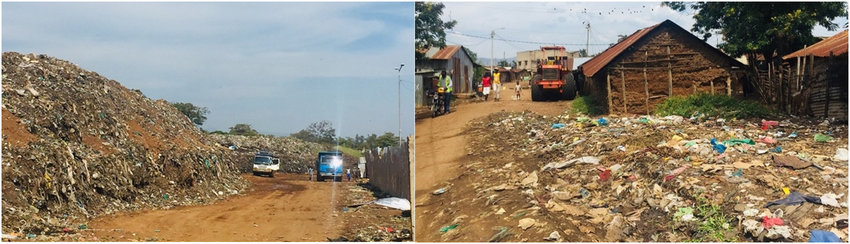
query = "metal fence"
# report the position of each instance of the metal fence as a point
(388, 169)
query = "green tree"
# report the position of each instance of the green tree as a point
(767, 28)
(196, 114)
(503, 63)
(243, 129)
(430, 29)
(320, 132)
(386, 140)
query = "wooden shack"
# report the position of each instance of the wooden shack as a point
(657, 62)
(813, 80)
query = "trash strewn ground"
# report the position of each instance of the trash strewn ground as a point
(366, 221)
(77, 145)
(528, 177)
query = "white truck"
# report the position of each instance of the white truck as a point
(265, 164)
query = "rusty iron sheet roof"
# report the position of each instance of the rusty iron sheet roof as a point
(590, 67)
(836, 44)
(446, 53)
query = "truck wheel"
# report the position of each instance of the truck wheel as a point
(271, 174)
(319, 178)
(569, 87)
(536, 90)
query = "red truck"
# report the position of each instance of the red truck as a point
(554, 80)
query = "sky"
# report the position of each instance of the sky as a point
(275, 66)
(559, 22)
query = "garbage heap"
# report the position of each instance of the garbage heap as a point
(647, 178)
(295, 155)
(77, 145)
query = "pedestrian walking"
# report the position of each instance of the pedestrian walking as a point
(446, 83)
(485, 82)
(348, 173)
(497, 84)
(518, 89)
(310, 172)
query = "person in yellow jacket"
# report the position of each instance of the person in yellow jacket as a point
(446, 83)
(497, 84)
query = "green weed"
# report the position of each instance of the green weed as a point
(587, 105)
(711, 105)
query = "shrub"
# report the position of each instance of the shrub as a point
(710, 105)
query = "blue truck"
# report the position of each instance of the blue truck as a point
(329, 165)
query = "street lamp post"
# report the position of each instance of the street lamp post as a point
(492, 56)
(399, 103)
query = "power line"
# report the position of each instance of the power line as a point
(530, 42)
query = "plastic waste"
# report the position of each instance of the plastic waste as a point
(394, 202)
(557, 126)
(602, 122)
(768, 222)
(822, 138)
(735, 142)
(793, 199)
(560, 165)
(738, 173)
(719, 148)
(675, 173)
(439, 191)
(448, 227)
(777, 149)
(823, 236)
(605, 175)
(685, 214)
(841, 154)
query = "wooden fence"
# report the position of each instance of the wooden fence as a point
(388, 169)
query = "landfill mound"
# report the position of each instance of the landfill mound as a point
(529, 177)
(295, 155)
(77, 145)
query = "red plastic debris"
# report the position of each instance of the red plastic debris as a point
(605, 175)
(675, 173)
(767, 222)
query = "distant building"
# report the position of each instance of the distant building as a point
(527, 60)
(454, 60)
(655, 63)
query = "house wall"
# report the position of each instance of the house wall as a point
(694, 68)
(806, 93)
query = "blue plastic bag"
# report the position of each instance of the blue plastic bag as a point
(823, 236)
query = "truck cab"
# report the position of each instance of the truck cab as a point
(329, 165)
(265, 164)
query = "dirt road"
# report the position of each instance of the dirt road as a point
(440, 146)
(284, 208)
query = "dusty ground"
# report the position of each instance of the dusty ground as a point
(441, 146)
(284, 208)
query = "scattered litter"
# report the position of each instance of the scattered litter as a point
(394, 202)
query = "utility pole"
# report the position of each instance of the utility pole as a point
(492, 57)
(587, 43)
(399, 103)
(492, 33)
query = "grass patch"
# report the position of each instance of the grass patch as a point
(714, 225)
(350, 151)
(711, 106)
(586, 105)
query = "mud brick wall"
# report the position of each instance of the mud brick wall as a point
(643, 71)
(389, 170)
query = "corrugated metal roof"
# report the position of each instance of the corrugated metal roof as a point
(596, 63)
(600, 61)
(836, 44)
(446, 52)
